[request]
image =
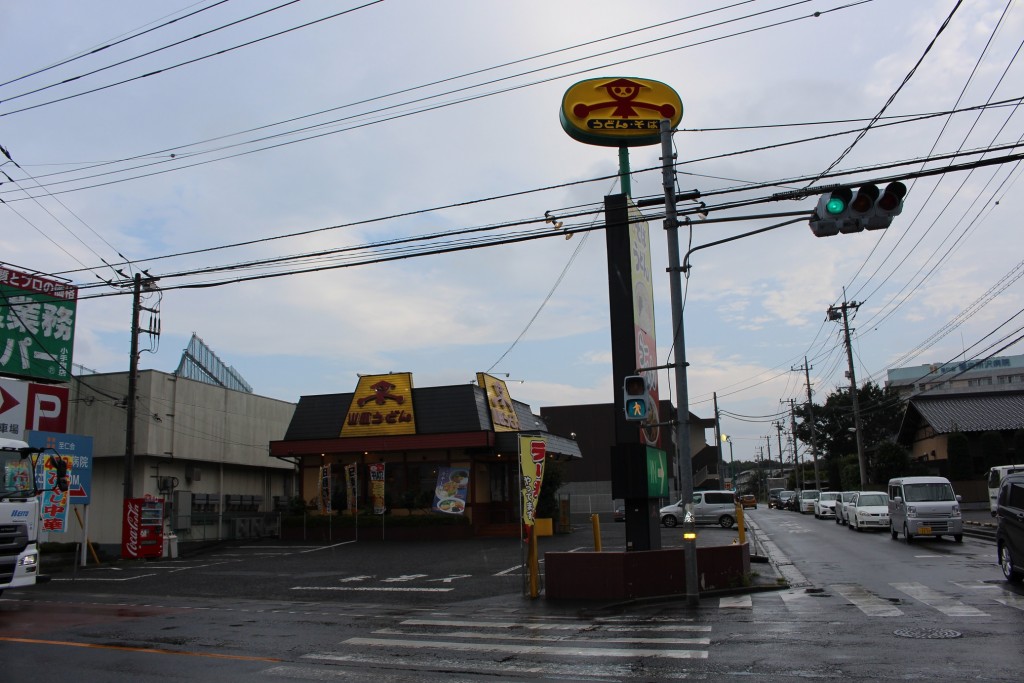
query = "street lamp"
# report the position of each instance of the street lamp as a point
(732, 464)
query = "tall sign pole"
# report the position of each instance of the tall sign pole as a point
(679, 344)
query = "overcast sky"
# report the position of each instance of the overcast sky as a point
(226, 138)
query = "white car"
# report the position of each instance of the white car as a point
(808, 498)
(870, 510)
(825, 506)
(843, 504)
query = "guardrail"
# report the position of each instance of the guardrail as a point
(983, 530)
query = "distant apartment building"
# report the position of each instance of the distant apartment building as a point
(999, 373)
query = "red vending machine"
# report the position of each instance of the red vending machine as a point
(142, 528)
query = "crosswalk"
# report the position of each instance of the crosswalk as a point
(905, 597)
(513, 642)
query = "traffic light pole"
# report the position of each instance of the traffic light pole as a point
(683, 408)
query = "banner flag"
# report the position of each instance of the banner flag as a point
(377, 487)
(532, 452)
(452, 487)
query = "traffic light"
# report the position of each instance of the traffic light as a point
(843, 211)
(634, 395)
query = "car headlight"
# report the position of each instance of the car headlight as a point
(956, 510)
(911, 511)
(30, 560)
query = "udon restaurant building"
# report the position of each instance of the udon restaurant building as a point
(387, 447)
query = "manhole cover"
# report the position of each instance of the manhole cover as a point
(927, 633)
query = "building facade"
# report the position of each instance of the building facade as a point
(201, 449)
(389, 448)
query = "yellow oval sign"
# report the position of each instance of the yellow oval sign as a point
(619, 112)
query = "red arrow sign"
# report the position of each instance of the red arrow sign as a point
(6, 401)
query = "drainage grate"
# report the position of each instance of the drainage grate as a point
(934, 633)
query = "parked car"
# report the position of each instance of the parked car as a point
(924, 506)
(825, 506)
(748, 500)
(870, 510)
(773, 497)
(785, 499)
(709, 507)
(845, 498)
(808, 497)
(1010, 527)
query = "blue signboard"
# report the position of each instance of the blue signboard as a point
(79, 448)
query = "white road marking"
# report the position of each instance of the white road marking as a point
(381, 589)
(544, 626)
(546, 650)
(735, 601)
(552, 638)
(943, 603)
(866, 601)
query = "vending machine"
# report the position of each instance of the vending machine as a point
(142, 528)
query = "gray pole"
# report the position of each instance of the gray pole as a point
(683, 408)
(133, 372)
(853, 396)
(810, 417)
(718, 442)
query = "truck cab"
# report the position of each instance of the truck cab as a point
(19, 516)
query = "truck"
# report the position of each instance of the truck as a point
(20, 520)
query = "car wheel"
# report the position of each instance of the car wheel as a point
(1012, 573)
(857, 528)
(959, 538)
(892, 531)
(726, 522)
(669, 520)
(906, 535)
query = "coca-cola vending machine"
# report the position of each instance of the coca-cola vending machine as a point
(142, 528)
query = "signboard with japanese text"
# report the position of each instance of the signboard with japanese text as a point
(377, 487)
(28, 406)
(643, 317)
(381, 406)
(503, 413)
(351, 489)
(76, 447)
(324, 505)
(37, 326)
(619, 112)
(532, 454)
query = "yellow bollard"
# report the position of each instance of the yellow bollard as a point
(595, 522)
(739, 522)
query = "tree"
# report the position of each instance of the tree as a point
(889, 460)
(881, 412)
(1018, 446)
(958, 452)
(993, 450)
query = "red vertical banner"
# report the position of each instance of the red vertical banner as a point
(54, 512)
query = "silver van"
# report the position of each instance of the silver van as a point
(709, 507)
(924, 506)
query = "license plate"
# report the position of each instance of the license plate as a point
(924, 529)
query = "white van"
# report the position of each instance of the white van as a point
(924, 506)
(995, 478)
(709, 507)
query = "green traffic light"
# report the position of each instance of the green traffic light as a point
(835, 205)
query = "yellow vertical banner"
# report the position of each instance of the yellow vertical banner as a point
(532, 452)
(377, 487)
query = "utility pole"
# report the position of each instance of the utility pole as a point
(810, 418)
(778, 428)
(718, 440)
(836, 313)
(792, 435)
(683, 408)
(133, 377)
